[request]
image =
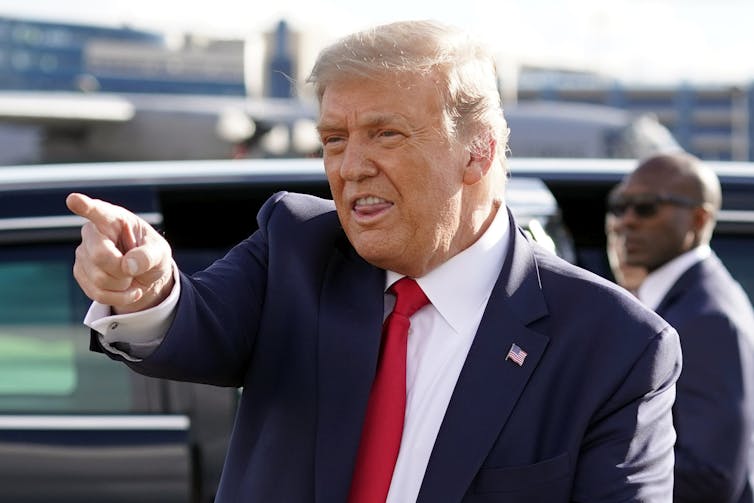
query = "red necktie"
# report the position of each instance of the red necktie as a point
(383, 425)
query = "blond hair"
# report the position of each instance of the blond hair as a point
(463, 69)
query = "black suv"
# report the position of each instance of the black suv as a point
(75, 426)
(580, 187)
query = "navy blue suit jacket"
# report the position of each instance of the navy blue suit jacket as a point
(293, 315)
(714, 407)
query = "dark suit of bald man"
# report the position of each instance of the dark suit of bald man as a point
(714, 408)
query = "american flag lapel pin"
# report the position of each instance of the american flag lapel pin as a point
(516, 355)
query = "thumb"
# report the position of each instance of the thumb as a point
(151, 256)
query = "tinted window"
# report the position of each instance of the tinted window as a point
(45, 363)
(735, 252)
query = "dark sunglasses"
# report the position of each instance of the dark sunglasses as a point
(647, 205)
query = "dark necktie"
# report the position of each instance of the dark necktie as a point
(383, 425)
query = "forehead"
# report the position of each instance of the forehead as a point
(647, 181)
(404, 95)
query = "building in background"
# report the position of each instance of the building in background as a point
(198, 66)
(712, 122)
(47, 56)
(78, 93)
(281, 62)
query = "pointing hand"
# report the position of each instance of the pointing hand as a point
(122, 260)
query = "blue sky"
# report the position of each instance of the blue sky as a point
(634, 40)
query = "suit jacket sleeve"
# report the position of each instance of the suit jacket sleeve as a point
(217, 317)
(628, 447)
(710, 414)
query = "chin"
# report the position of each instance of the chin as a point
(377, 255)
(374, 255)
(370, 243)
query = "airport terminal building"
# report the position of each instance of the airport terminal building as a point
(713, 122)
(47, 56)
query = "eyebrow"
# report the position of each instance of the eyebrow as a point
(370, 120)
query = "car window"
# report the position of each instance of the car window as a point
(45, 363)
(735, 252)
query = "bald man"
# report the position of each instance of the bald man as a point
(664, 213)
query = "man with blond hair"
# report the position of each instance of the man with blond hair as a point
(405, 341)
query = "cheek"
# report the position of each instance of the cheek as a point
(676, 229)
(667, 240)
(334, 181)
(438, 182)
(424, 207)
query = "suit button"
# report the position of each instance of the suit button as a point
(114, 325)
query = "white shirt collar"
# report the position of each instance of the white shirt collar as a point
(460, 287)
(657, 284)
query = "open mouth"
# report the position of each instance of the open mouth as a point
(371, 206)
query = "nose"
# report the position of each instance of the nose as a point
(357, 162)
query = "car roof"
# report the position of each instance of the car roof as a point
(610, 169)
(201, 172)
(736, 178)
(158, 173)
(527, 196)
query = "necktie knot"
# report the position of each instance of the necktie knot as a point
(409, 297)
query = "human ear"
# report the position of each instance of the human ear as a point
(703, 221)
(479, 160)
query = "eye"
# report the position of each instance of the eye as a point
(332, 140)
(390, 137)
(389, 132)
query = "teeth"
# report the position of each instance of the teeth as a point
(362, 201)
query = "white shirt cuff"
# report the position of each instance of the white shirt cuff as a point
(134, 336)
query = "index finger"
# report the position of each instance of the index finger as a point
(80, 204)
(102, 214)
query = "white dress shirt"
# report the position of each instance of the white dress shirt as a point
(440, 336)
(439, 339)
(657, 284)
(136, 335)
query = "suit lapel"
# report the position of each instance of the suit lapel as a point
(350, 323)
(682, 285)
(489, 385)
